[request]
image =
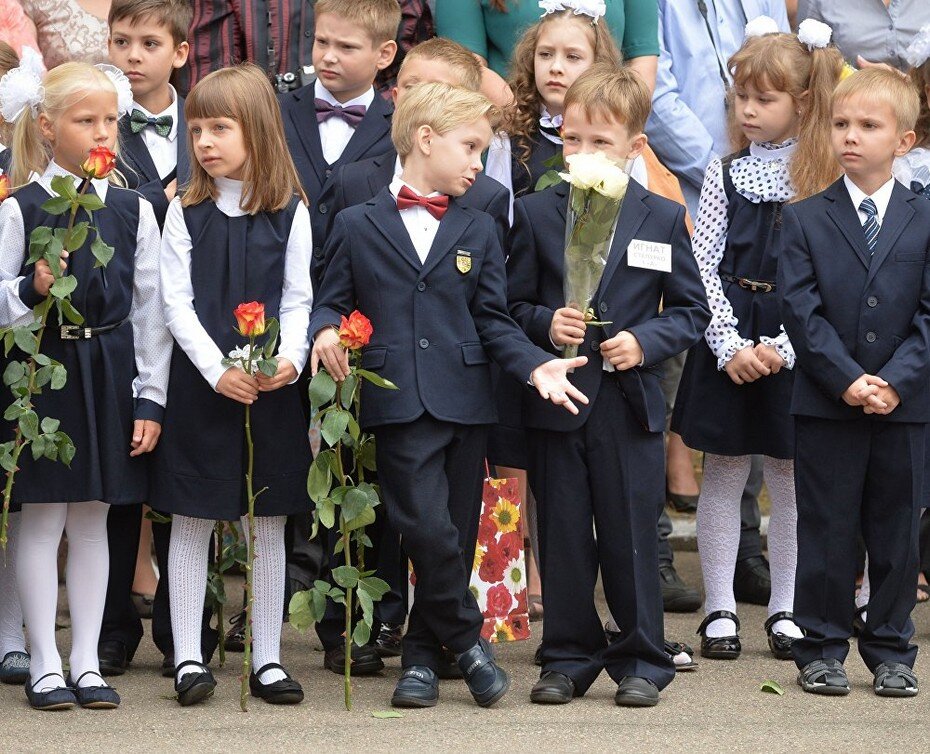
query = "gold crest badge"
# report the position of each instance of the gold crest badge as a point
(463, 261)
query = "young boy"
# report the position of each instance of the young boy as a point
(604, 467)
(855, 283)
(148, 42)
(429, 273)
(339, 119)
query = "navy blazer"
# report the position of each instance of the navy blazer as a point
(136, 165)
(6, 160)
(372, 137)
(357, 182)
(667, 312)
(847, 314)
(434, 323)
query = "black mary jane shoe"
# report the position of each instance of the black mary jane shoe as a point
(61, 698)
(194, 687)
(285, 691)
(553, 688)
(417, 687)
(94, 697)
(720, 647)
(779, 644)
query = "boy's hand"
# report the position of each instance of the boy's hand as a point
(746, 366)
(285, 375)
(238, 385)
(864, 391)
(887, 395)
(43, 278)
(145, 434)
(335, 358)
(550, 381)
(171, 189)
(567, 328)
(769, 356)
(623, 351)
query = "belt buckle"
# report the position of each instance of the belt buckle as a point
(74, 332)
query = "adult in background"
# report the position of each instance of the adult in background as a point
(69, 30)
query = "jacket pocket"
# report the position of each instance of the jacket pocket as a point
(373, 358)
(473, 354)
(910, 256)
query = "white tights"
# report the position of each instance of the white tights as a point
(718, 530)
(187, 574)
(87, 572)
(11, 612)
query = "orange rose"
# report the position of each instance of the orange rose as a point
(5, 187)
(99, 164)
(251, 318)
(355, 332)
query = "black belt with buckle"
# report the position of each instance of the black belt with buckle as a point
(756, 286)
(77, 332)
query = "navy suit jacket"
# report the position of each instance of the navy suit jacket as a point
(372, 137)
(6, 160)
(667, 312)
(849, 314)
(135, 163)
(357, 182)
(434, 324)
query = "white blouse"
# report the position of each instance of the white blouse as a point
(178, 291)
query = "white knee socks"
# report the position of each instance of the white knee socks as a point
(12, 638)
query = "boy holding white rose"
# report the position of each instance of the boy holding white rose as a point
(604, 466)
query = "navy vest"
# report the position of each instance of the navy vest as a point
(525, 176)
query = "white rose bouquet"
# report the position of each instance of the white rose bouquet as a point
(598, 186)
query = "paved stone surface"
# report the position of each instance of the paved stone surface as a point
(718, 708)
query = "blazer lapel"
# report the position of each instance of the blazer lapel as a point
(561, 191)
(135, 153)
(897, 216)
(632, 214)
(843, 213)
(451, 228)
(303, 116)
(382, 173)
(375, 124)
(385, 217)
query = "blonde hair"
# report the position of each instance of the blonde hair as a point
(779, 61)
(878, 85)
(615, 93)
(379, 18)
(920, 76)
(244, 94)
(440, 106)
(464, 65)
(65, 86)
(521, 119)
(8, 61)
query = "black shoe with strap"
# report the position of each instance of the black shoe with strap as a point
(60, 698)
(719, 647)
(487, 681)
(826, 676)
(779, 644)
(284, 691)
(103, 696)
(193, 687)
(234, 641)
(895, 679)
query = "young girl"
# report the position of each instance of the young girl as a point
(240, 233)
(117, 366)
(736, 388)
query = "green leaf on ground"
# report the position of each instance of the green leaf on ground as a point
(386, 714)
(772, 687)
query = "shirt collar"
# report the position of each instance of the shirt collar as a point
(321, 92)
(881, 196)
(770, 151)
(397, 182)
(171, 110)
(54, 169)
(229, 196)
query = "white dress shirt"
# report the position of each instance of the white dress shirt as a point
(178, 291)
(420, 224)
(151, 339)
(163, 149)
(335, 133)
(881, 197)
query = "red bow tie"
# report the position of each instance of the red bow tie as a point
(435, 205)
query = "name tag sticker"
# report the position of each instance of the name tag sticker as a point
(649, 255)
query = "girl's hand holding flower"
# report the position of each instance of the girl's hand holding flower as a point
(238, 385)
(285, 375)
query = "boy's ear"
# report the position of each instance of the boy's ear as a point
(637, 146)
(180, 55)
(386, 53)
(904, 145)
(424, 138)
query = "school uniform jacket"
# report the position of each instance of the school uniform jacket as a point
(628, 297)
(436, 324)
(849, 313)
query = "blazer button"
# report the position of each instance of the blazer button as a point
(323, 209)
(871, 337)
(595, 346)
(421, 286)
(603, 308)
(318, 253)
(329, 172)
(424, 343)
(872, 301)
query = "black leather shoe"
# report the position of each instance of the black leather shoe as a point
(447, 668)
(418, 687)
(636, 692)
(285, 691)
(779, 644)
(486, 680)
(677, 596)
(167, 666)
(57, 699)
(721, 647)
(752, 581)
(112, 658)
(390, 640)
(553, 688)
(681, 503)
(826, 677)
(234, 641)
(194, 687)
(94, 697)
(365, 660)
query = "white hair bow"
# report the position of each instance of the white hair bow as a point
(123, 87)
(760, 26)
(814, 33)
(593, 8)
(21, 87)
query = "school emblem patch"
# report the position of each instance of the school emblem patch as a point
(463, 261)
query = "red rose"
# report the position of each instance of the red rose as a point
(5, 186)
(499, 600)
(510, 545)
(251, 318)
(355, 332)
(487, 530)
(521, 602)
(492, 565)
(99, 164)
(520, 626)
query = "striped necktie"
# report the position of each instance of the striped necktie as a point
(870, 227)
